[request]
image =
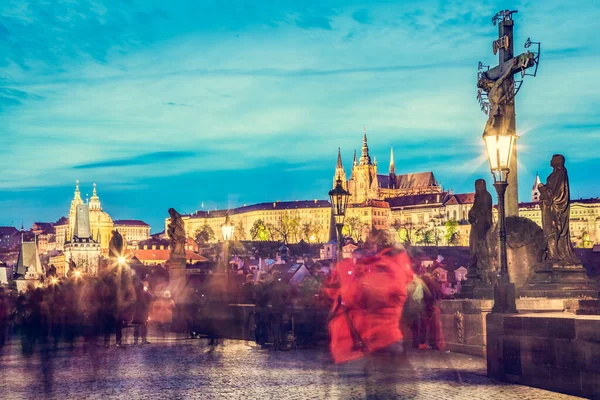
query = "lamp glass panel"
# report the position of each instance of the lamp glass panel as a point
(227, 231)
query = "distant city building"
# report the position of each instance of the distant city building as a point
(584, 218)
(296, 220)
(45, 236)
(9, 237)
(132, 230)
(5, 274)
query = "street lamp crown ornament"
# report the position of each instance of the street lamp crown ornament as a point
(339, 201)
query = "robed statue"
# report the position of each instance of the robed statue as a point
(480, 218)
(176, 233)
(115, 246)
(554, 203)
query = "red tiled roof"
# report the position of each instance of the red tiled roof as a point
(163, 255)
(462, 198)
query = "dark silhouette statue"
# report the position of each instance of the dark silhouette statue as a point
(176, 233)
(480, 218)
(555, 206)
(115, 246)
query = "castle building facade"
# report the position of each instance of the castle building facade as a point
(366, 183)
(291, 221)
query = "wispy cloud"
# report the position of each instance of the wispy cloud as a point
(143, 159)
(129, 93)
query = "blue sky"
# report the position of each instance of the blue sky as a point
(179, 103)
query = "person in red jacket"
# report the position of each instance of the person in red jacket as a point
(364, 324)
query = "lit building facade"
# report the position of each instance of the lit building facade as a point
(296, 220)
(132, 230)
(101, 224)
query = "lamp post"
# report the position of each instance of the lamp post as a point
(339, 203)
(227, 229)
(499, 149)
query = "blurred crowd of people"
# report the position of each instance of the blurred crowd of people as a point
(94, 308)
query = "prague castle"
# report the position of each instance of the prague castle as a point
(411, 206)
(366, 183)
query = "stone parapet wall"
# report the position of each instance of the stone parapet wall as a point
(553, 351)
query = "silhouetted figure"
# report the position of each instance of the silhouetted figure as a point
(142, 311)
(261, 310)
(109, 312)
(247, 290)
(279, 296)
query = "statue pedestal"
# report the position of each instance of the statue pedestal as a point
(557, 281)
(476, 289)
(177, 276)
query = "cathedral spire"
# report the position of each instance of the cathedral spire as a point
(354, 162)
(339, 171)
(365, 159)
(392, 164)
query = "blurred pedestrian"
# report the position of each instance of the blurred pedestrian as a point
(433, 315)
(162, 312)
(261, 310)
(142, 311)
(364, 322)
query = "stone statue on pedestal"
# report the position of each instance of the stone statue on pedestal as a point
(176, 233)
(479, 275)
(176, 264)
(480, 218)
(561, 274)
(555, 206)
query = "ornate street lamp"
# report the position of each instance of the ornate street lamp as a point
(499, 149)
(227, 229)
(339, 203)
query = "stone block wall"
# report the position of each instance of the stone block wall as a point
(552, 351)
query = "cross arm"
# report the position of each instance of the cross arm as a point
(523, 61)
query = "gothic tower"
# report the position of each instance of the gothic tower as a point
(339, 172)
(392, 183)
(72, 211)
(363, 184)
(535, 192)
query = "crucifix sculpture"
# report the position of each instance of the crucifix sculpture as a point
(498, 84)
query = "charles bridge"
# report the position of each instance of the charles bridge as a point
(180, 368)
